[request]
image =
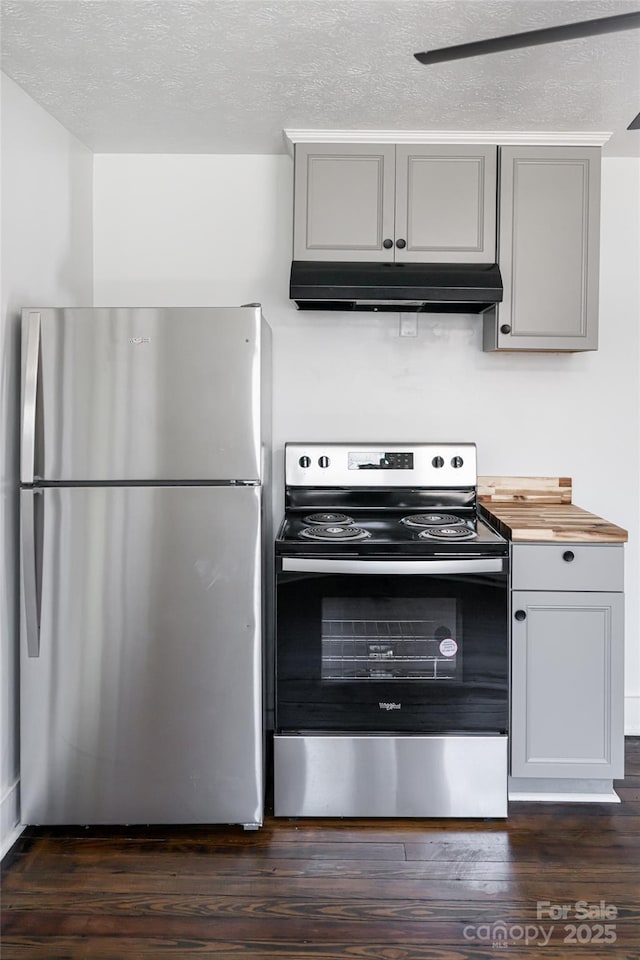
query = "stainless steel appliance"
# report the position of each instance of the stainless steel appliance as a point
(144, 469)
(391, 636)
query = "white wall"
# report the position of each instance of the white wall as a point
(46, 260)
(205, 230)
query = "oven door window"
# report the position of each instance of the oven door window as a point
(390, 638)
(391, 652)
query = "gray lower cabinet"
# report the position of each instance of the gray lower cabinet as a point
(424, 203)
(567, 694)
(548, 250)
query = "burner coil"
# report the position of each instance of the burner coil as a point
(459, 532)
(327, 518)
(432, 520)
(339, 532)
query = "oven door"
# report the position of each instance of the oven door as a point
(371, 645)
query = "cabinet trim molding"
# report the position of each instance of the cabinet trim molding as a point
(566, 138)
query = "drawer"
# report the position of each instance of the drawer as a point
(544, 567)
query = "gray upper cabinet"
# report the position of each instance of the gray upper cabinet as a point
(344, 201)
(377, 202)
(446, 203)
(548, 250)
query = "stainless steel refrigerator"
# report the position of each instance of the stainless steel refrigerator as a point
(145, 462)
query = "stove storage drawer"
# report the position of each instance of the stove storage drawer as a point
(568, 566)
(390, 776)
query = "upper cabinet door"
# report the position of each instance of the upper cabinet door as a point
(344, 202)
(549, 237)
(446, 203)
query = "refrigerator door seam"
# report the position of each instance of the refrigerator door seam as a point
(64, 484)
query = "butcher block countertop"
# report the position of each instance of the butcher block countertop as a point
(539, 510)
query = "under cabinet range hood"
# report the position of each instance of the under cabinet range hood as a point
(398, 287)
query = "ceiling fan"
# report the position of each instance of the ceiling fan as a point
(533, 38)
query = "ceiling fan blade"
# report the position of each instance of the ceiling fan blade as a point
(635, 123)
(531, 38)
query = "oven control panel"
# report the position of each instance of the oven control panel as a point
(379, 460)
(440, 465)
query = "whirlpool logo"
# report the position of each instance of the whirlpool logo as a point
(390, 706)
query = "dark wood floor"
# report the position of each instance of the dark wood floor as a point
(364, 890)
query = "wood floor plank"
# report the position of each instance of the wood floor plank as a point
(93, 948)
(546, 855)
(558, 887)
(436, 863)
(288, 929)
(313, 907)
(105, 848)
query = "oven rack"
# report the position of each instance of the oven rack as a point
(369, 630)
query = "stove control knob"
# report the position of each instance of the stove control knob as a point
(456, 462)
(437, 462)
(323, 462)
(305, 462)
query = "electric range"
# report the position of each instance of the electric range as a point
(391, 635)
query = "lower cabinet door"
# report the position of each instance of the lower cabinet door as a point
(567, 685)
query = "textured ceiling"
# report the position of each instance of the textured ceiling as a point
(226, 76)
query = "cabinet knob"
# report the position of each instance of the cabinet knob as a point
(387, 244)
(505, 328)
(520, 615)
(401, 244)
(568, 555)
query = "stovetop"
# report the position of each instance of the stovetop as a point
(409, 499)
(361, 533)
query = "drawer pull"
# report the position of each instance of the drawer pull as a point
(568, 555)
(520, 615)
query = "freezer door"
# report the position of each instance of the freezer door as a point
(142, 701)
(141, 394)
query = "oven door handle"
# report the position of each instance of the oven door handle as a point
(405, 567)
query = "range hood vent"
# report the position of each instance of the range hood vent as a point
(398, 287)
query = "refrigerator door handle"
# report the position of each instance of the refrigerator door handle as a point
(29, 398)
(29, 577)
